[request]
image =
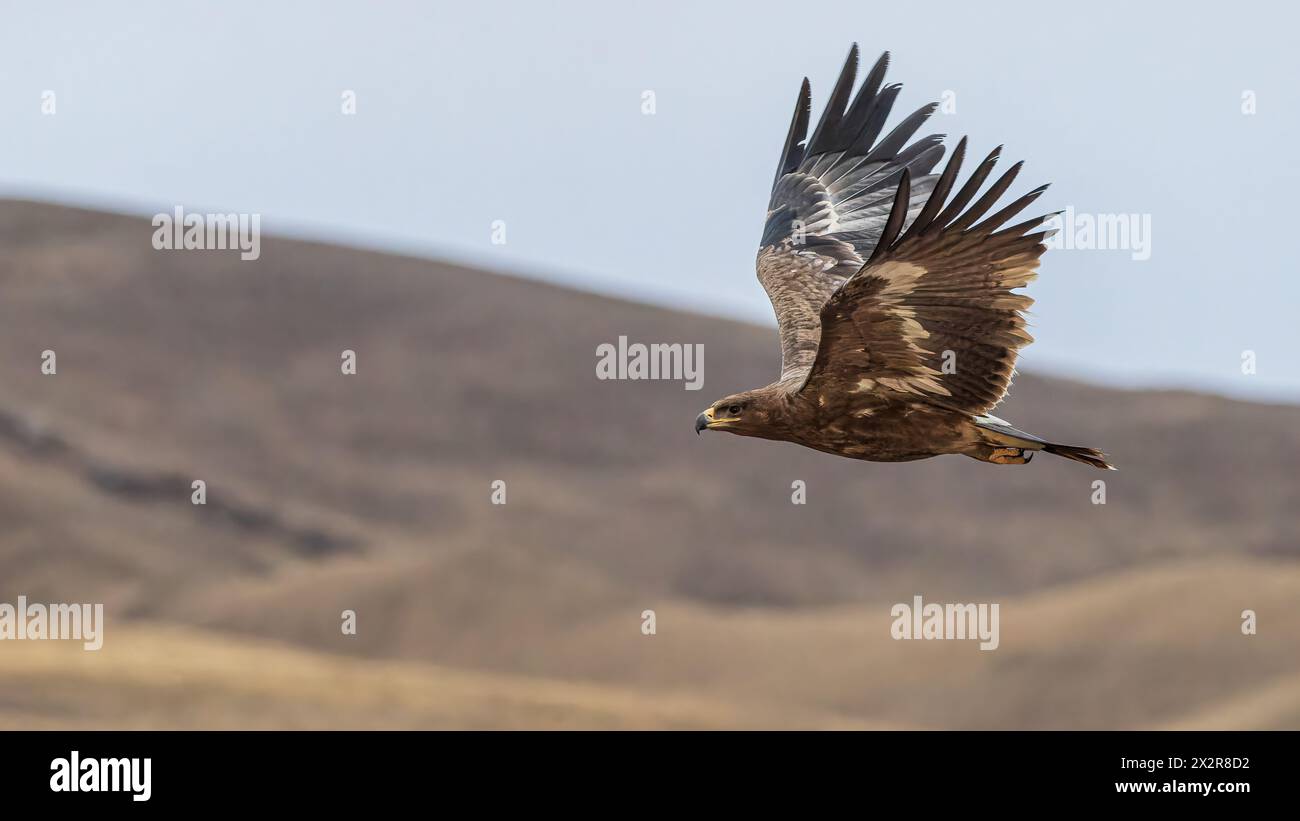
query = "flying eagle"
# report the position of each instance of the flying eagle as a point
(895, 301)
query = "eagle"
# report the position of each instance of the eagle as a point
(895, 298)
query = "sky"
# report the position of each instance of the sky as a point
(470, 116)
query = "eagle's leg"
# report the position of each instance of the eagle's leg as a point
(1002, 456)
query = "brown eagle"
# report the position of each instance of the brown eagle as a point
(894, 300)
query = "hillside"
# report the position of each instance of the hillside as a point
(370, 492)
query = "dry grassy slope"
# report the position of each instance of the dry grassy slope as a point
(160, 676)
(1269, 707)
(1138, 648)
(1096, 655)
(370, 492)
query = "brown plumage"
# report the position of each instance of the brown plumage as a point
(895, 302)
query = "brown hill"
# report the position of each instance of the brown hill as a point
(370, 492)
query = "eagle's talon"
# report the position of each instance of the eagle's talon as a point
(1010, 456)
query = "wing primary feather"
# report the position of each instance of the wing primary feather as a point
(793, 153)
(897, 216)
(826, 135)
(967, 191)
(940, 192)
(902, 132)
(991, 224)
(1020, 228)
(882, 103)
(991, 196)
(855, 174)
(861, 107)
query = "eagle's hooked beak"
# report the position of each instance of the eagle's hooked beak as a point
(702, 421)
(709, 420)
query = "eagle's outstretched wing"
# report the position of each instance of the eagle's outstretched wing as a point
(932, 314)
(830, 199)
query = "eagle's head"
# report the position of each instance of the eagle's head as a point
(748, 414)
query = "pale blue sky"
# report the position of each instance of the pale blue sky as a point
(531, 113)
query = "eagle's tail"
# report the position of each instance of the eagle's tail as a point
(1089, 456)
(1006, 436)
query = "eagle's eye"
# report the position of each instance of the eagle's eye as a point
(734, 410)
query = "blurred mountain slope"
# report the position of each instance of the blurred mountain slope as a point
(370, 492)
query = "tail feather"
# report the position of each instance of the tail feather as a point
(1088, 456)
